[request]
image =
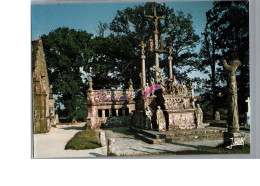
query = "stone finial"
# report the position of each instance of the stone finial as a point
(190, 83)
(90, 82)
(131, 84)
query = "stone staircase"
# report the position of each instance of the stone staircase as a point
(156, 137)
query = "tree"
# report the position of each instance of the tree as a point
(67, 52)
(176, 29)
(226, 37)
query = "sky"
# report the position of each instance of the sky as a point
(48, 17)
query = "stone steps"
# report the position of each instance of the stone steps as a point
(155, 137)
(150, 140)
(196, 137)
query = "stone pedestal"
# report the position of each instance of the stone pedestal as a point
(102, 138)
(111, 146)
(233, 139)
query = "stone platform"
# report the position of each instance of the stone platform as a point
(156, 137)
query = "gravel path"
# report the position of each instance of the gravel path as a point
(126, 144)
(52, 144)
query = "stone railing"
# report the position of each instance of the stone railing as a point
(108, 96)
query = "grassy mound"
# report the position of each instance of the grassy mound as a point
(83, 140)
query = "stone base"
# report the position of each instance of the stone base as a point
(233, 139)
(218, 124)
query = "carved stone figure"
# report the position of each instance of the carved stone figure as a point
(90, 81)
(160, 119)
(232, 120)
(217, 116)
(148, 121)
(199, 117)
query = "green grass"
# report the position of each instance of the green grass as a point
(211, 150)
(83, 140)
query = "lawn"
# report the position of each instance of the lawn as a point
(86, 139)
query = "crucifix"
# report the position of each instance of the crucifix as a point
(156, 40)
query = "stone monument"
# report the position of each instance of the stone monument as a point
(233, 136)
(170, 107)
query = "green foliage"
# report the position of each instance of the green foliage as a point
(226, 36)
(67, 51)
(176, 29)
(83, 140)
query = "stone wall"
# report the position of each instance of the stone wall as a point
(43, 102)
(109, 108)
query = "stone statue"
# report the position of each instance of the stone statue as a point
(199, 117)
(217, 116)
(232, 120)
(148, 121)
(160, 119)
(90, 81)
(142, 45)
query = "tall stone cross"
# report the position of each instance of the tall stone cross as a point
(143, 80)
(156, 40)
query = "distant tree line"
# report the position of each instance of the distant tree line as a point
(113, 59)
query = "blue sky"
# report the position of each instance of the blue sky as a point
(48, 17)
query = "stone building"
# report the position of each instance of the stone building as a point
(109, 108)
(43, 101)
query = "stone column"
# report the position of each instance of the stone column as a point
(116, 112)
(102, 138)
(103, 113)
(170, 67)
(233, 137)
(143, 71)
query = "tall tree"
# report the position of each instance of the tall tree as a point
(176, 29)
(67, 51)
(226, 37)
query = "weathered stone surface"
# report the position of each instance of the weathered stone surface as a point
(160, 119)
(108, 103)
(199, 117)
(232, 120)
(43, 102)
(111, 146)
(102, 138)
(217, 116)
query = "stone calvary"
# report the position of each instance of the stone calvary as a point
(162, 105)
